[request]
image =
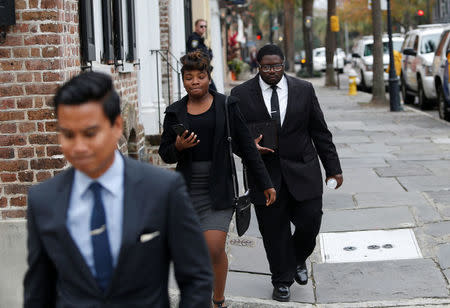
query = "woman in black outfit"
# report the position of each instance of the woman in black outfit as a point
(202, 157)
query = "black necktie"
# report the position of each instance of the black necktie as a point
(99, 238)
(275, 106)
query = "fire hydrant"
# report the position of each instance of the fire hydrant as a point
(352, 82)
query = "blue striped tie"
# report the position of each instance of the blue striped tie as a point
(100, 241)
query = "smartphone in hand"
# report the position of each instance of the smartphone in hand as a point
(179, 129)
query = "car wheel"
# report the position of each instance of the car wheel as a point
(424, 103)
(407, 98)
(442, 105)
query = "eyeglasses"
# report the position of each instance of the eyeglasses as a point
(203, 26)
(274, 67)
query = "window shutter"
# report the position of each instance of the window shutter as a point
(108, 41)
(7, 13)
(118, 28)
(87, 31)
(131, 17)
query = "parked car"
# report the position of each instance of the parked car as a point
(362, 59)
(417, 75)
(320, 62)
(441, 70)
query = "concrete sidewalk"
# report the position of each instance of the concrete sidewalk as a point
(396, 170)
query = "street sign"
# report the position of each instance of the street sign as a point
(383, 5)
(334, 23)
(275, 28)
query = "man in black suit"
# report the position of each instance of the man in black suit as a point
(104, 232)
(291, 106)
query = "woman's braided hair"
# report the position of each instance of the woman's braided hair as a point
(196, 61)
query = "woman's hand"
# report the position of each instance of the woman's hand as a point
(271, 196)
(185, 142)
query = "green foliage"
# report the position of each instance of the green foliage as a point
(237, 66)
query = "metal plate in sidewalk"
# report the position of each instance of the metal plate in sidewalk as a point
(363, 246)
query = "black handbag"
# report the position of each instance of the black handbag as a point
(241, 204)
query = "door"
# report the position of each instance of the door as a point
(151, 106)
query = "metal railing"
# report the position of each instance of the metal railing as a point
(167, 59)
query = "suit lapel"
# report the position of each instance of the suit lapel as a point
(258, 97)
(131, 214)
(67, 241)
(290, 102)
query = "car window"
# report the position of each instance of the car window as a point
(405, 42)
(411, 41)
(429, 42)
(441, 43)
(368, 50)
(416, 43)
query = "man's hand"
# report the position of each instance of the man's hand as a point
(261, 149)
(339, 179)
(271, 196)
(184, 142)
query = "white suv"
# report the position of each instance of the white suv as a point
(417, 59)
(362, 59)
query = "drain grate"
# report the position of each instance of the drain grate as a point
(362, 246)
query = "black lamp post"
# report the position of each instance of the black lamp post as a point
(394, 97)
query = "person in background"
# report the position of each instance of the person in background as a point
(201, 154)
(95, 237)
(196, 41)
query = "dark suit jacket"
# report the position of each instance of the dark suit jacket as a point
(304, 134)
(154, 200)
(220, 181)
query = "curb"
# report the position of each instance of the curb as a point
(426, 114)
(249, 302)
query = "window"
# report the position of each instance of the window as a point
(429, 42)
(416, 43)
(107, 31)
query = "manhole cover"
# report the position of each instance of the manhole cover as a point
(365, 246)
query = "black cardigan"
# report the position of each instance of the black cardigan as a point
(220, 181)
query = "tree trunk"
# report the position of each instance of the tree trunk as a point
(307, 10)
(289, 11)
(330, 46)
(378, 91)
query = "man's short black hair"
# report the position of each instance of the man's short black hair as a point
(90, 86)
(269, 50)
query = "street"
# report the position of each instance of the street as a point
(385, 235)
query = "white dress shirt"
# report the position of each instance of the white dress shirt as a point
(82, 203)
(282, 91)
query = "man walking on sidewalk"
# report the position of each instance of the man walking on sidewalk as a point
(290, 106)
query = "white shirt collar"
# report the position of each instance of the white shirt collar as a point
(109, 179)
(265, 86)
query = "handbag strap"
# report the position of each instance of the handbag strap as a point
(230, 152)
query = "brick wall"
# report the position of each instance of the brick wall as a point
(164, 26)
(40, 52)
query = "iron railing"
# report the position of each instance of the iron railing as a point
(172, 65)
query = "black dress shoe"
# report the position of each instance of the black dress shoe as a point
(301, 274)
(281, 293)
